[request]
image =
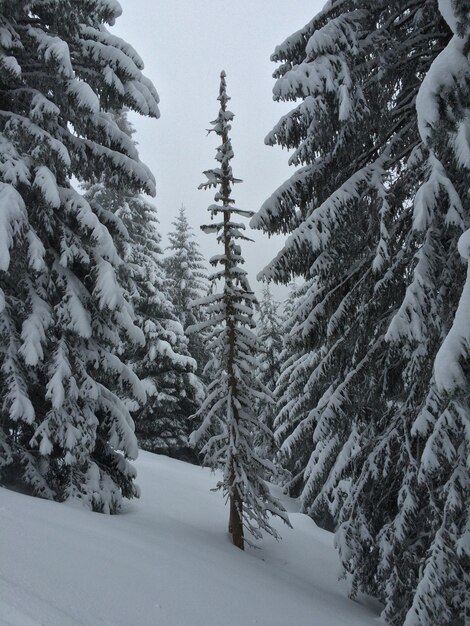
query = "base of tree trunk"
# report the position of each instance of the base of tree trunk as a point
(235, 526)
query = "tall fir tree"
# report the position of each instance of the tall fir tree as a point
(229, 424)
(420, 560)
(443, 115)
(338, 242)
(186, 273)
(65, 431)
(374, 213)
(163, 363)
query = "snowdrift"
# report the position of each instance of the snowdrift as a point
(165, 561)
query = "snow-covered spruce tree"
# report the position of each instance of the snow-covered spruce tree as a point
(421, 556)
(443, 109)
(186, 273)
(229, 424)
(375, 214)
(345, 211)
(65, 431)
(163, 363)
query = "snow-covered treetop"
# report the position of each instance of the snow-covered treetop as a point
(185, 267)
(222, 176)
(236, 288)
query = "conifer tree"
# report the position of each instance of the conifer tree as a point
(228, 420)
(339, 240)
(374, 214)
(65, 430)
(187, 281)
(163, 363)
(420, 563)
(443, 116)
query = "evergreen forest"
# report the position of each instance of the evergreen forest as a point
(346, 401)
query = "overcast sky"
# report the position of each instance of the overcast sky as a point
(185, 44)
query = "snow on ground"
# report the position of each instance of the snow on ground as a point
(165, 561)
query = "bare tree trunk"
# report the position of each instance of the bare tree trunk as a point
(235, 521)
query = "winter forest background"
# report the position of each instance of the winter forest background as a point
(352, 395)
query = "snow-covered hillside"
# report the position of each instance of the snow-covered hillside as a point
(166, 561)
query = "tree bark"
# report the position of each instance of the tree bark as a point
(235, 521)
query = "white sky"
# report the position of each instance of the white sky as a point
(185, 44)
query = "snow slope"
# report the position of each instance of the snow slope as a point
(165, 561)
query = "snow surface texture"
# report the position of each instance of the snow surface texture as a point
(165, 561)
